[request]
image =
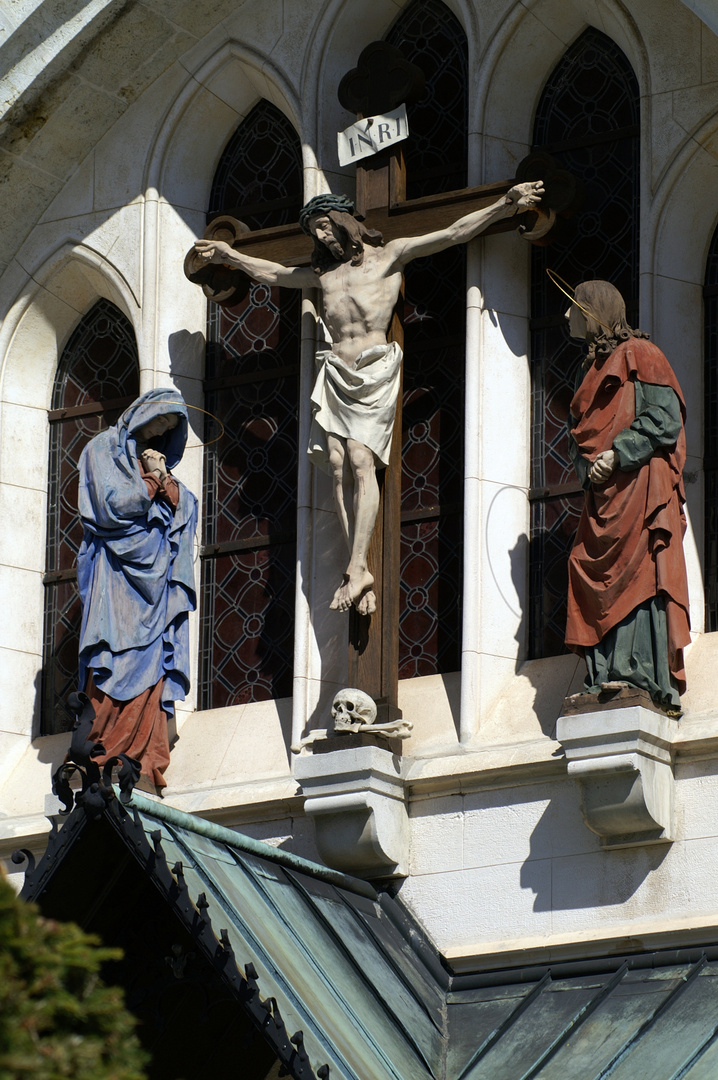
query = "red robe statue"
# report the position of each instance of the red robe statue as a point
(628, 553)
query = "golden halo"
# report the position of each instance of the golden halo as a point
(556, 278)
(164, 401)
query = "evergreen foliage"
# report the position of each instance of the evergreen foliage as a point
(57, 1018)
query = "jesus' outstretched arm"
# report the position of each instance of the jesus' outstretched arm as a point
(518, 200)
(260, 270)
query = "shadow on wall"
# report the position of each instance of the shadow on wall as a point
(284, 711)
(50, 748)
(187, 354)
(519, 560)
(588, 879)
(551, 678)
(513, 329)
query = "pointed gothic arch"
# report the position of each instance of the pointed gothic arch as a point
(588, 119)
(250, 475)
(97, 377)
(436, 155)
(434, 344)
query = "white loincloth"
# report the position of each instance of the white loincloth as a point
(355, 403)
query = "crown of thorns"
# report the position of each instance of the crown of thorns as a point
(322, 204)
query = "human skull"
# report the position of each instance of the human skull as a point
(352, 709)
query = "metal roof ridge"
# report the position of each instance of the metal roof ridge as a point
(249, 845)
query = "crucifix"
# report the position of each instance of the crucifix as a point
(360, 250)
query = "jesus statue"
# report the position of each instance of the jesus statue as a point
(357, 382)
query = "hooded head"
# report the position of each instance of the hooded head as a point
(113, 493)
(161, 401)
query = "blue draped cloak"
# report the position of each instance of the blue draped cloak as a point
(134, 569)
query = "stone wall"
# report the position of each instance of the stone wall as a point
(115, 116)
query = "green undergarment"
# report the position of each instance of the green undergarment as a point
(636, 651)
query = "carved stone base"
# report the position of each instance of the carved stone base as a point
(355, 795)
(616, 699)
(620, 751)
(354, 739)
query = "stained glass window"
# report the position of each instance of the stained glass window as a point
(588, 119)
(97, 377)
(434, 355)
(710, 451)
(436, 152)
(250, 485)
(258, 179)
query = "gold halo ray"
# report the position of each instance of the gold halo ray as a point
(165, 401)
(556, 278)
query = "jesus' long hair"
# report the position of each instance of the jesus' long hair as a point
(354, 236)
(606, 303)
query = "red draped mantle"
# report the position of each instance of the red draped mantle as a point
(628, 546)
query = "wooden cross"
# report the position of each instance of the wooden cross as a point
(382, 80)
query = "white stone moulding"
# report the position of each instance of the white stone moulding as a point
(357, 801)
(622, 759)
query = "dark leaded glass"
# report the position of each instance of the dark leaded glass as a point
(434, 356)
(258, 179)
(251, 595)
(710, 451)
(98, 365)
(436, 152)
(250, 490)
(432, 466)
(588, 118)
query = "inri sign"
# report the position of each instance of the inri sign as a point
(371, 135)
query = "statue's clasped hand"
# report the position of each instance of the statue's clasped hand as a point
(602, 467)
(154, 462)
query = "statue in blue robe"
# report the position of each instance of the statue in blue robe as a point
(136, 579)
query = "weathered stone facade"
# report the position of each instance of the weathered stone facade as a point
(116, 114)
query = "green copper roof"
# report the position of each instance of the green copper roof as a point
(309, 950)
(631, 1023)
(336, 961)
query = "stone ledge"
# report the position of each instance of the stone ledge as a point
(581, 944)
(480, 769)
(451, 770)
(697, 737)
(30, 831)
(259, 800)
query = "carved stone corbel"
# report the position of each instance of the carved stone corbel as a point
(621, 755)
(356, 799)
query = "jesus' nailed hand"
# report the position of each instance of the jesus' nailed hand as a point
(359, 278)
